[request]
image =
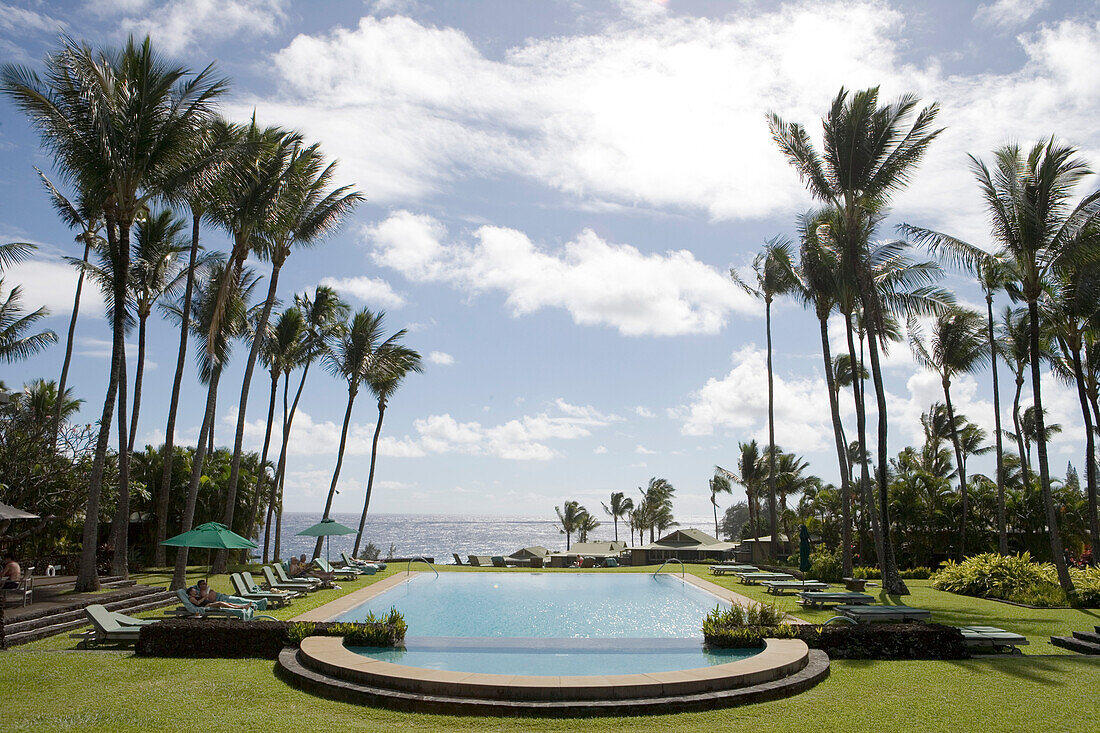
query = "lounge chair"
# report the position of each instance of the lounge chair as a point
(108, 627)
(782, 587)
(760, 577)
(458, 560)
(992, 638)
(611, 563)
(340, 573)
(275, 584)
(498, 561)
(190, 609)
(820, 599)
(730, 569)
(352, 562)
(253, 592)
(280, 573)
(255, 587)
(884, 613)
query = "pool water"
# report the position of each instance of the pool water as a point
(549, 623)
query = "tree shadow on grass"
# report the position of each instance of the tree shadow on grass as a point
(1042, 670)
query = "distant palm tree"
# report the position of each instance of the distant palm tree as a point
(774, 276)
(355, 352)
(957, 346)
(719, 484)
(16, 343)
(40, 400)
(385, 376)
(656, 505)
(620, 506)
(570, 515)
(588, 523)
(1014, 347)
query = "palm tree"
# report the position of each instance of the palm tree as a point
(656, 505)
(87, 110)
(869, 153)
(621, 505)
(719, 484)
(305, 209)
(16, 343)
(212, 357)
(355, 352)
(1041, 234)
(774, 276)
(385, 376)
(1014, 347)
(587, 523)
(570, 515)
(325, 315)
(957, 346)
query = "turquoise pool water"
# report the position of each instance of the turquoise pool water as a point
(549, 623)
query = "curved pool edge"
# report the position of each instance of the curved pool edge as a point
(324, 667)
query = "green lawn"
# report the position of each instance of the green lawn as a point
(49, 687)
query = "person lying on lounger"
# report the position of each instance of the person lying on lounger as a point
(306, 570)
(204, 596)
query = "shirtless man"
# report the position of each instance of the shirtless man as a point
(12, 573)
(205, 596)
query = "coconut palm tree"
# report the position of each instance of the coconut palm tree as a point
(16, 343)
(88, 109)
(587, 523)
(656, 505)
(869, 152)
(1040, 234)
(621, 505)
(305, 210)
(1014, 347)
(325, 315)
(385, 376)
(957, 346)
(774, 276)
(353, 354)
(570, 515)
(719, 484)
(232, 316)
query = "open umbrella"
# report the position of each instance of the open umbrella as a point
(326, 528)
(7, 513)
(803, 549)
(213, 535)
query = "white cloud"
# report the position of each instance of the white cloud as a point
(642, 411)
(441, 357)
(52, 283)
(178, 26)
(101, 349)
(1007, 14)
(16, 20)
(373, 290)
(643, 451)
(597, 282)
(599, 450)
(737, 404)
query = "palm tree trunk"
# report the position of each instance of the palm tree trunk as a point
(257, 492)
(213, 425)
(280, 472)
(1053, 531)
(773, 527)
(238, 443)
(139, 374)
(713, 504)
(1090, 448)
(87, 577)
(165, 488)
(841, 450)
(120, 525)
(1002, 529)
(961, 465)
(69, 341)
(179, 577)
(370, 475)
(615, 520)
(1025, 463)
(861, 437)
(339, 463)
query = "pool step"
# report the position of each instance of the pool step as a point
(291, 669)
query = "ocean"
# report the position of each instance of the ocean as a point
(439, 535)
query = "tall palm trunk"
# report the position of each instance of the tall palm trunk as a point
(165, 488)
(841, 450)
(352, 391)
(179, 577)
(120, 525)
(139, 373)
(773, 527)
(1090, 448)
(713, 504)
(1002, 529)
(1025, 454)
(87, 576)
(370, 475)
(1053, 532)
(222, 558)
(861, 437)
(961, 465)
(258, 490)
(280, 472)
(69, 340)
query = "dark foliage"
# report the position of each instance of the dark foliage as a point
(861, 641)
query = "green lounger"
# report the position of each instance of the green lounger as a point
(254, 593)
(498, 561)
(991, 637)
(727, 569)
(255, 587)
(108, 628)
(370, 567)
(280, 573)
(820, 598)
(759, 577)
(611, 563)
(275, 584)
(884, 613)
(340, 573)
(782, 587)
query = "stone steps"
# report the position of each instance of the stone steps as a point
(1082, 642)
(115, 595)
(25, 631)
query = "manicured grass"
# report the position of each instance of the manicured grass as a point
(49, 687)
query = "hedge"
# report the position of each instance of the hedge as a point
(860, 641)
(228, 638)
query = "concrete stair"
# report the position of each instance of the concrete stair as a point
(131, 599)
(1083, 642)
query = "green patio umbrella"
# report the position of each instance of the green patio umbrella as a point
(803, 549)
(212, 535)
(326, 528)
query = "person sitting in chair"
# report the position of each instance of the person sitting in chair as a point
(12, 574)
(306, 569)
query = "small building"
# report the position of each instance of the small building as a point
(685, 545)
(595, 550)
(758, 549)
(526, 553)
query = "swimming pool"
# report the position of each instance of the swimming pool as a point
(549, 623)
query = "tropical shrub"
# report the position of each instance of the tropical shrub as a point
(745, 626)
(873, 573)
(885, 641)
(991, 575)
(747, 636)
(826, 565)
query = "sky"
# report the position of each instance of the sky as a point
(556, 193)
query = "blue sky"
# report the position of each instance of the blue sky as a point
(556, 192)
